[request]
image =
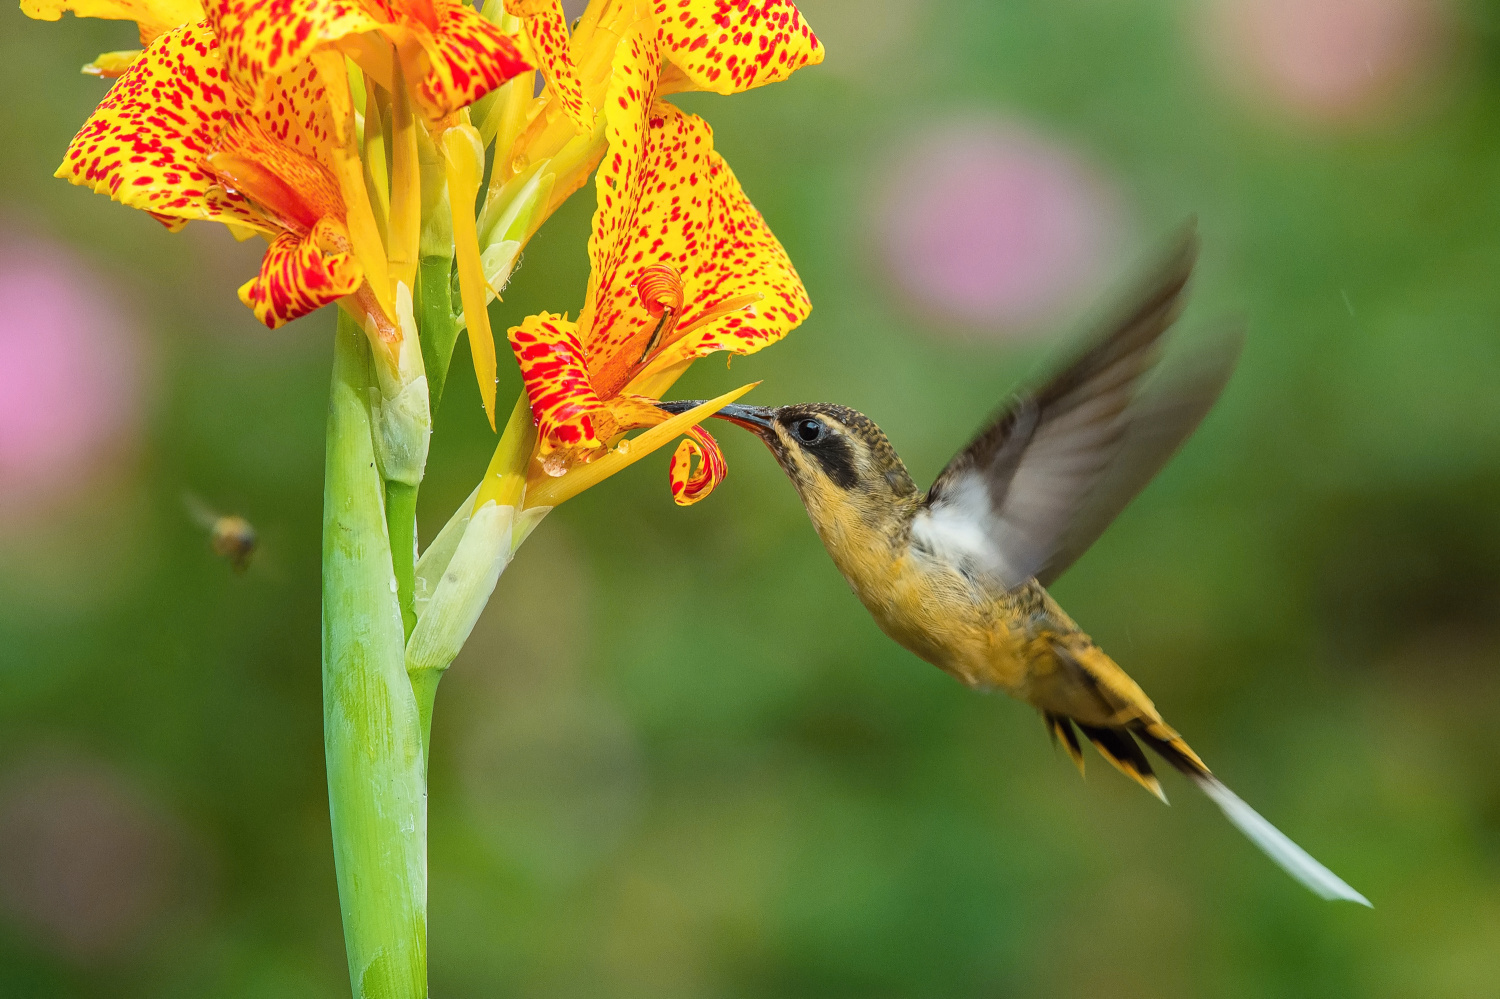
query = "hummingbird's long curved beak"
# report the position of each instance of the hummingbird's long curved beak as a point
(756, 419)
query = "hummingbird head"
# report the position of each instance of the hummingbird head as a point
(832, 454)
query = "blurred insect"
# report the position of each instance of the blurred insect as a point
(958, 574)
(232, 537)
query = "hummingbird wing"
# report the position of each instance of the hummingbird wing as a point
(1158, 423)
(1012, 504)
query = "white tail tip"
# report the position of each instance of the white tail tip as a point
(1275, 844)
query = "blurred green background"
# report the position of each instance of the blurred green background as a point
(677, 759)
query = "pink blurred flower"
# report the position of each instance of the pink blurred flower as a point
(1325, 59)
(87, 865)
(986, 223)
(70, 392)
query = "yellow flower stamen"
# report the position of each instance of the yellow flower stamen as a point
(464, 154)
(406, 187)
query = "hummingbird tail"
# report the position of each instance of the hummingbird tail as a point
(1114, 744)
(1272, 841)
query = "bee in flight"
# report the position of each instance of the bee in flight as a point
(958, 574)
(232, 537)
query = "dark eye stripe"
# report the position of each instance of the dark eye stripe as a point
(836, 456)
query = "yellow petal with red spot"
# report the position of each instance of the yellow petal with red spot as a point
(467, 56)
(145, 143)
(697, 467)
(619, 190)
(547, 31)
(153, 17)
(262, 40)
(553, 369)
(298, 276)
(729, 46)
(687, 212)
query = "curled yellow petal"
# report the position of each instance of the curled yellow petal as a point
(111, 65)
(153, 17)
(551, 492)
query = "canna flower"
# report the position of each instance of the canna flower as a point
(174, 139)
(751, 43)
(682, 265)
(247, 118)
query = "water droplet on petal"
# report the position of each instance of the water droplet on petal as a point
(555, 464)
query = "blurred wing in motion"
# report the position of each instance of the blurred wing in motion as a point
(1038, 485)
(1158, 423)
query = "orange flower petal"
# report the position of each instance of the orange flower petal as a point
(468, 57)
(567, 409)
(263, 40)
(153, 17)
(144, 145)
(697, 467)
(729, 46)
(686, 211)
(547, 31)
(297, 276)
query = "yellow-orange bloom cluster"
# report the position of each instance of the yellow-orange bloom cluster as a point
(242, 114)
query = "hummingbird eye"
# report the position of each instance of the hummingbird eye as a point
(809, 431)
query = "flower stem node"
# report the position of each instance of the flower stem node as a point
(399, 409)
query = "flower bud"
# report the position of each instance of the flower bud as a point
(400, 410)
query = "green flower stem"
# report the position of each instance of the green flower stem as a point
(372, 738)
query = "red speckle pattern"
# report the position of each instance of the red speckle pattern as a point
(296, 277)
(732, 45)
(264, 38)
(667, 204)
(563, 400)
(144, 145)
(547, 31)
(697, 467)
(469, 57)
(675, 202)
(175, 139)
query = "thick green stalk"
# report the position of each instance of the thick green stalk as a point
(372, 737)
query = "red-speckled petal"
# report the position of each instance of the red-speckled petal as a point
(547, 31)
(263, 39)
(297, 276)
(468, 57)
(288, 184)
(728, 46)
(145, 144)
(697, 467)
(619, 185)
(686, 211)
(563, 401)
(152, 17)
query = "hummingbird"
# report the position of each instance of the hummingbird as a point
(958, 574)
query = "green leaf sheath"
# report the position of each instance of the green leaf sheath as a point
(437, 322)
(401, 523)
(372, 737)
